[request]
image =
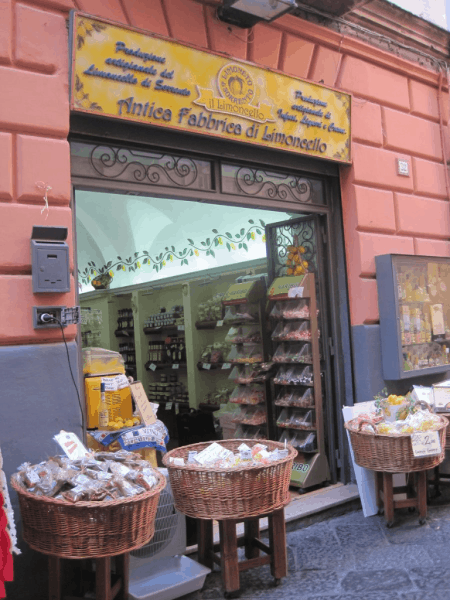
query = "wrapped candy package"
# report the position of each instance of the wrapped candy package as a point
(99, 476)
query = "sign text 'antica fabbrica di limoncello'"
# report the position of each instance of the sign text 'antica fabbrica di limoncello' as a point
(130, 75)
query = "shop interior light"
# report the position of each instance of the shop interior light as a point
(246, 13)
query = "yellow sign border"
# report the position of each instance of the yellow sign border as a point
(258, 114)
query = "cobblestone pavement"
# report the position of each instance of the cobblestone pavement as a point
(356, 558)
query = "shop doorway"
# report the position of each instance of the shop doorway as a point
(114, 172)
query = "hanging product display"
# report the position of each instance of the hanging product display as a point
(244, 312)
(297, 377)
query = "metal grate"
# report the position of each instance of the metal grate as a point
(165, 527)
(295, 233)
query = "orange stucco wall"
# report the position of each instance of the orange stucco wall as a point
(395, 115)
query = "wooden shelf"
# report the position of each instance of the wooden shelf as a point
(151, 330)
(128, 332)
(213, 366)
(160, 366)
(205, 324)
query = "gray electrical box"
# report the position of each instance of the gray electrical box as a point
(50, 260)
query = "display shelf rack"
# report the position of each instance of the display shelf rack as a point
(311, 466)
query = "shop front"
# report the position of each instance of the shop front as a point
(167, 228)
(188, 157)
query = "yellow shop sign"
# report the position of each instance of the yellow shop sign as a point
(131, 75)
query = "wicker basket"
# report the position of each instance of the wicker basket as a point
(88, 529)
(238, 493)
(447, 431)
(390, 454)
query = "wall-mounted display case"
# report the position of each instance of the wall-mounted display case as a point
(414, 304)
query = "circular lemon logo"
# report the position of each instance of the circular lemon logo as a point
(236, 84)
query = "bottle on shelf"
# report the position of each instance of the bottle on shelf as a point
(103, 409)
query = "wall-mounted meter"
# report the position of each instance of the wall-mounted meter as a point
(50, 260)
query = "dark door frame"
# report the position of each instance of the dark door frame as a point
(93, 130)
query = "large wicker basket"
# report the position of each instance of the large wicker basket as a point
(88, 529)
(447, 433)
(390, 454)
(238, 493)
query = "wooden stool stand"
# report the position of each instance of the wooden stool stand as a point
(416, 496)
(276, 553)
(103, 588)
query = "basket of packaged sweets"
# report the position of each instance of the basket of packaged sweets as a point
(381, 441)
(233, 479)
(101, 505)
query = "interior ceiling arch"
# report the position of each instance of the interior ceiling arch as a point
(135, 239)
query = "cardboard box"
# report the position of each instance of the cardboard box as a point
(119, 402)
(441, 395)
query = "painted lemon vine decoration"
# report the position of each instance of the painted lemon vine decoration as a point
(101, 277)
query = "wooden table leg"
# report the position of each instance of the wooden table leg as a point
(54, 578)
(277, 537)
(123, 572)
(229, 556)
(388, 490)
(379, 490)
(205, 542)
(103, 578)
(437, 491)
(251, 530)
(422, 495)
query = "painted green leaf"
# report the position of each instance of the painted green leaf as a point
(191, 253)
(249, 236)
(215, 231)
(245, 247)
(186, 260)
(262, 222)
(173, 248)
(136, 254)
(191, 242)
(109, 264)
(203, 244)
(228, 234)
(207, 253)
(212, 253)
(92, 271)
(208, 241)
(229, 247)
(240, 246)
(242, 231)
(119, 268)
(119, 258)
(145, 261)
(251, 221)
(216, 242)
(135, 264)
(166, 248)
(258, 231)
(145, 252)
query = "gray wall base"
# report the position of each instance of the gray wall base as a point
(368, 369)
(38, 400)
